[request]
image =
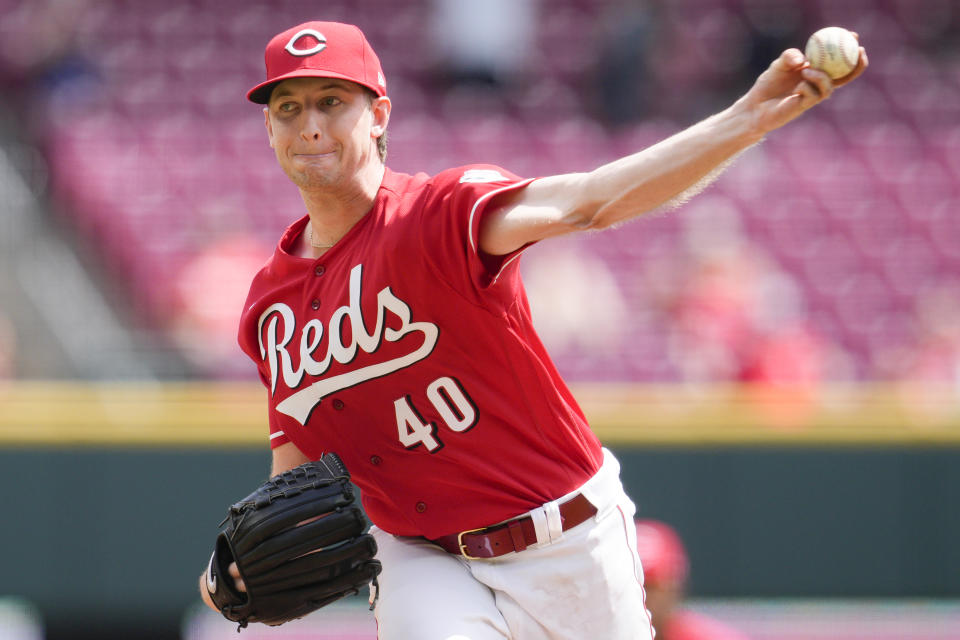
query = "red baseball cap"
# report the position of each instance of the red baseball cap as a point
(320, 50)
(661, 552)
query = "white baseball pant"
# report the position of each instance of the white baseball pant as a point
(583, 583)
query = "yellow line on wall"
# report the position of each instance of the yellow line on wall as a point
(52, 413)
(756, 415)
(234, 414)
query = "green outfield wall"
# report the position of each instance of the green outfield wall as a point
(107, 529)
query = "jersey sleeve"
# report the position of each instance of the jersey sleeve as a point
(458, 200)
(278, 435)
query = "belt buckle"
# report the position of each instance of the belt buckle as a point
(463, 547)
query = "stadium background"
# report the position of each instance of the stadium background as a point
(777, 363)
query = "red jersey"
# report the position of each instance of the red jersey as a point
(412, 355)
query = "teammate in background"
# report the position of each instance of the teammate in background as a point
(666, 568)
(391, 327)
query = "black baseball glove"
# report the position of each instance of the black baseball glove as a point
(299, 543)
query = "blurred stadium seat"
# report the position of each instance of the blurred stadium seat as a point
(157, 156)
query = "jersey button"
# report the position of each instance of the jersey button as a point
(338, 404)
(421, 507)
(318, 270)
(375, 460)
(315, 304)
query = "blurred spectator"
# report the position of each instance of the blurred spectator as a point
(210, 293)
(937, 355)
(734, 314)
(933, 25)
(38, 50)
(774, 25)
(927, 372)
(627, 33)
(558, 281)
(666, 569)
(694, 56)
(482, 43)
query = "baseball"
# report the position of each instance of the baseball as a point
(833, 50)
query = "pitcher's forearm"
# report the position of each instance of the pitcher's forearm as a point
(650, 178)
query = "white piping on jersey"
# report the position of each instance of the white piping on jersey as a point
(276, 434)
(476, 205)
(504, 266)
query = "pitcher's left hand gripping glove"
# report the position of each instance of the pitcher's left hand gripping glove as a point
(299, 543)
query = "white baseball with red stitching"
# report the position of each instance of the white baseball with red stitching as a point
(833, 50)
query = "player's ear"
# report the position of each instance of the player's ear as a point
(380, 108)
(269, 125)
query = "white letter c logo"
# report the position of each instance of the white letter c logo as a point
(317, 48)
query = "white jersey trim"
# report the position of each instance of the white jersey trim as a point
(504, 266)
(476, 205)
(276, 434)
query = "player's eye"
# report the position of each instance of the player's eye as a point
(329, 101)
(286, 107)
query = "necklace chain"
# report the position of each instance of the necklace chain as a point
(314, 244)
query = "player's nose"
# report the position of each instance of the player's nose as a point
(312, 129)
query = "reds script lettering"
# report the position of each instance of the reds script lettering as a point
(276, 354)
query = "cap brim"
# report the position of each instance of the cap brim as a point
(260, 94)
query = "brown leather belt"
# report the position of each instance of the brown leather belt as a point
(515, 535)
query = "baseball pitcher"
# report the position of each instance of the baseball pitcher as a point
(391, 329)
